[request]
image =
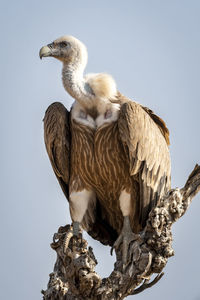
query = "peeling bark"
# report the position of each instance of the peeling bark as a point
(74, 275)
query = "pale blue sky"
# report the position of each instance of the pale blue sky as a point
(152, 49)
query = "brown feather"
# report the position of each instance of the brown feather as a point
(146, 137)
(57, 138)
(57, 142)
(129, 154)
(161, 124)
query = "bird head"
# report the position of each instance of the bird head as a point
(67, 49)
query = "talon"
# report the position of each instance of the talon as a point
(55, 237)
(67, 239)
(126, 237)
(116, 244)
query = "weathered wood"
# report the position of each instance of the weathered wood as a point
(74, 275)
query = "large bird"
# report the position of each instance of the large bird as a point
(109, 154)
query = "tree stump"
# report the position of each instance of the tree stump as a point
(74, 275)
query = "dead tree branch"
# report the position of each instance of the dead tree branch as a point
(74, 275)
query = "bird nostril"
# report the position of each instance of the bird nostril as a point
(50, 45)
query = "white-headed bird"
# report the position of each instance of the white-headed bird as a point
(110, 154)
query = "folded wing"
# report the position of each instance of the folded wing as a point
(145, 139)
(57, 142)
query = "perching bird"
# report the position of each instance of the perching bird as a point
(110, 154)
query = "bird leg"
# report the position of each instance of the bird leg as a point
(79, 202)
(126, 237)
(70, 234)
(76, 227)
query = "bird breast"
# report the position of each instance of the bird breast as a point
(97, 156)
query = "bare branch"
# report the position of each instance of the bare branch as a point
(147, 285)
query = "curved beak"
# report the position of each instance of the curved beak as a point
(45, 51)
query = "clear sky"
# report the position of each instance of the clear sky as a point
(152, 49)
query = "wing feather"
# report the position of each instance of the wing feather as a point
(147, 138)
(57, 142)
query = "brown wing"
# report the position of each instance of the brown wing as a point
(145, 138)
(160, 123)
(57, 141)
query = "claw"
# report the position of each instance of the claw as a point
(67, 239)
(111, 250)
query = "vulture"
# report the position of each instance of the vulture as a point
(109, 153)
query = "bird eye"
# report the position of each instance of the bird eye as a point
(63, 44)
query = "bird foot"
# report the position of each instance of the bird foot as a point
(125, 238)
(72, 233)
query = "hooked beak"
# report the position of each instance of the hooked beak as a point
(45, 52)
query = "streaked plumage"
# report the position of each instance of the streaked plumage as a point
(106, 150)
